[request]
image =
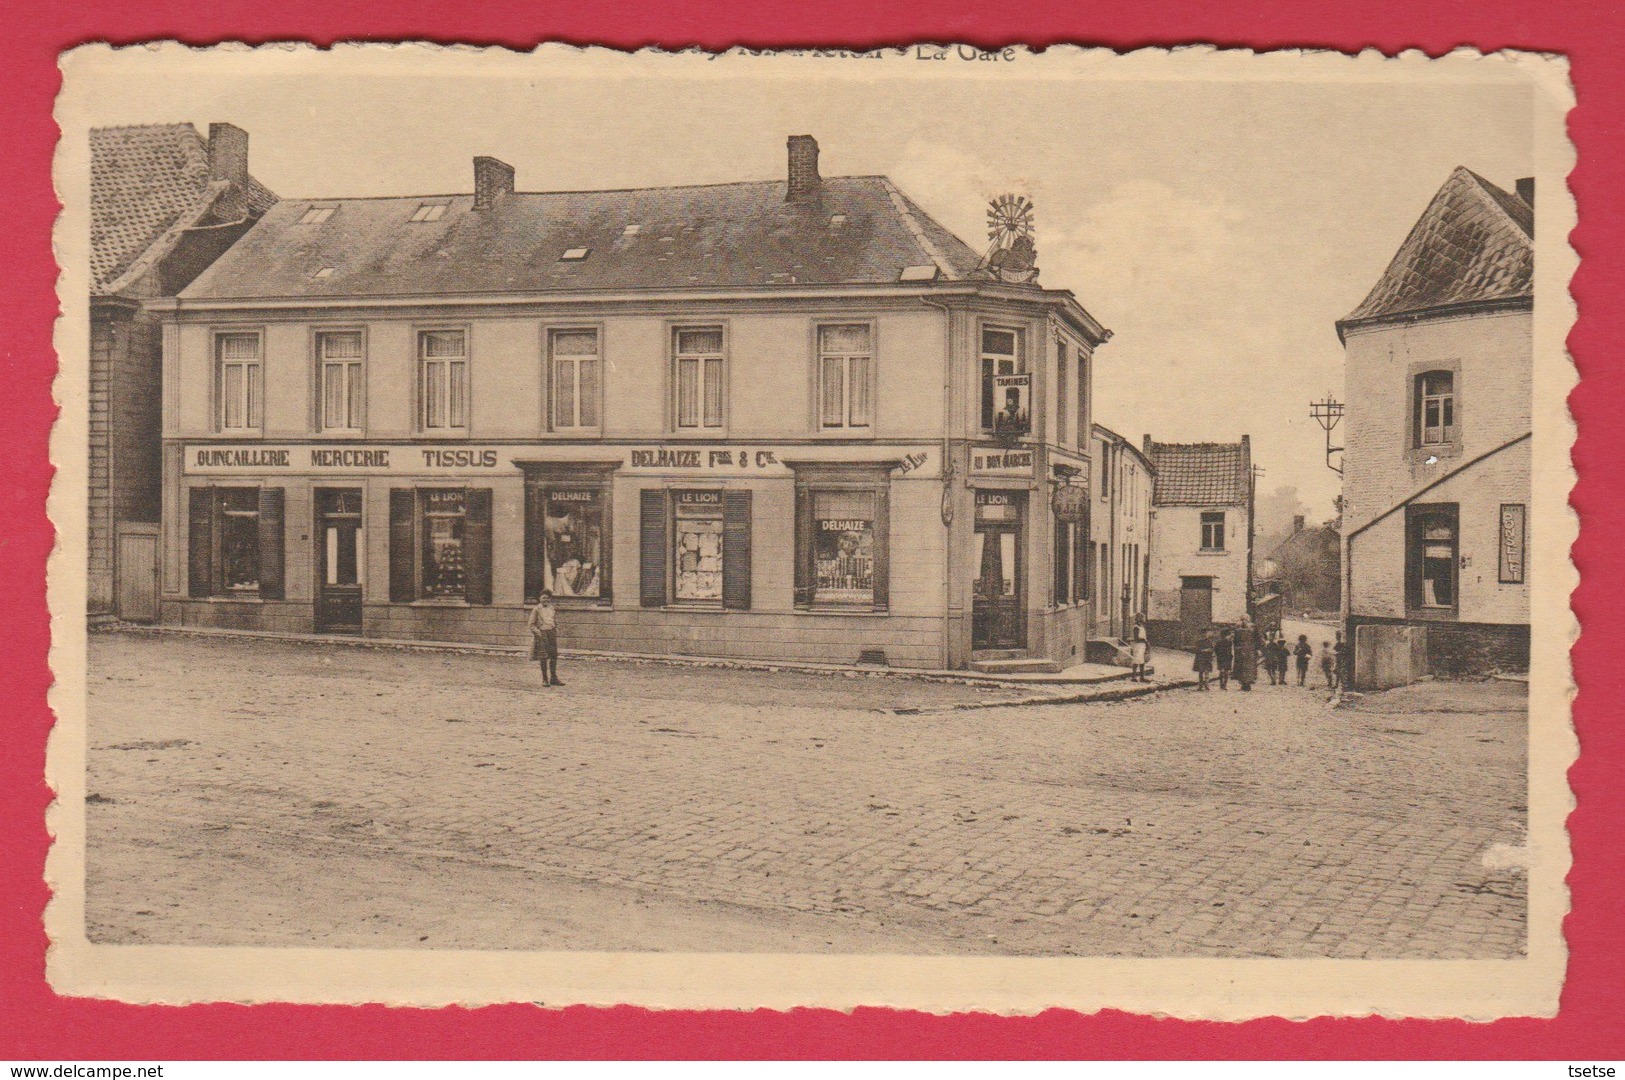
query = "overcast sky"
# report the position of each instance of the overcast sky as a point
(1218, 228)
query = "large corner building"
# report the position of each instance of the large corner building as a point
(793, 419)
(1436, 474)
(164, 203)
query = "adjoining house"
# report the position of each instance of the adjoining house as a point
(164, 203)
(1305, 569)
(1436, 469)
(1201, 567)
(1120, 537)
(783, 419)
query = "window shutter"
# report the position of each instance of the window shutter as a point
(1081, 585)
(804, 540)
(535, 532)
(200, 542)
(882, 548)
(272, 557)
(652, 549)
(736, 550)
(402, 561)
(477, 546)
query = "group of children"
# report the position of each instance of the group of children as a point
(1237, 652)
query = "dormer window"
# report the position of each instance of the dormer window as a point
(575, 254)
(315, 215)
(429, 212)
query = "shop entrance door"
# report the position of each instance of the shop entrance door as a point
(997, 620)
(340, 561)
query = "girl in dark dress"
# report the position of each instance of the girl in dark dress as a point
(1246, 666)
(1203, 664)
(1224, 656)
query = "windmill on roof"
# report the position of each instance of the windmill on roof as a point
(1013, 256)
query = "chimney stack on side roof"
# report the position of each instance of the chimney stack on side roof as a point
(228, 153)
(491, 178)
(804, 178)
(1526, 189)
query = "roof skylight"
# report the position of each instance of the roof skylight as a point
(324, 273)
(918, 273)
(631, 230)
(575, 254)
(429, 212)
(315, 215)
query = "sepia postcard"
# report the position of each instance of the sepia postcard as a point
(935, 528)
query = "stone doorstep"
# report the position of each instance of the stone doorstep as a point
(969, 678)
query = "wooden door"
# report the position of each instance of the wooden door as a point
(996, 615)
(340, 562)
(138, 575)
(1195, 608)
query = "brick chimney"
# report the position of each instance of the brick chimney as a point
(1526, 189)
(1297, 524)
(491, 179)
(804, 179)
(228, 153)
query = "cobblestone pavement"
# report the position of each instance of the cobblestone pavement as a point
(254, 792)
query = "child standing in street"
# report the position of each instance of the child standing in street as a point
(544, 638)
(1224, 655)
(1203, 664)
(1301, 653)
(1139, 650)
(1328, 665)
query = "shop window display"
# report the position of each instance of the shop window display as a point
(573, 540)
(443, 563)
(698, 546)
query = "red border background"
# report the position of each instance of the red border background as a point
(36, 1024)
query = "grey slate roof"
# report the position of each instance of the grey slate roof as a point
(1474, 243)
(1200, 474)
(145, 181)
(713, 236)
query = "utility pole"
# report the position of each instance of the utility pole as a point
(1327, 414)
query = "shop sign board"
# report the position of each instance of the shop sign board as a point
(1012, 400)
(997, 461)
(357, 460)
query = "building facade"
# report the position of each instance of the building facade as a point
(163, 204)
(792, 420)
(1436, 470)
(1120, 534)
(1201, 568)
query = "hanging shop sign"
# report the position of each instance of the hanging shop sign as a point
(1070, 502)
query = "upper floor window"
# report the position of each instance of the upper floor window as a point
(1063, 366)
(1213, 530)
(699, 361)
(238, 385)
(339, 355)
(1004, 405)
(845, 365)
(573, 360)
(1435, 408)
(443, 379)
